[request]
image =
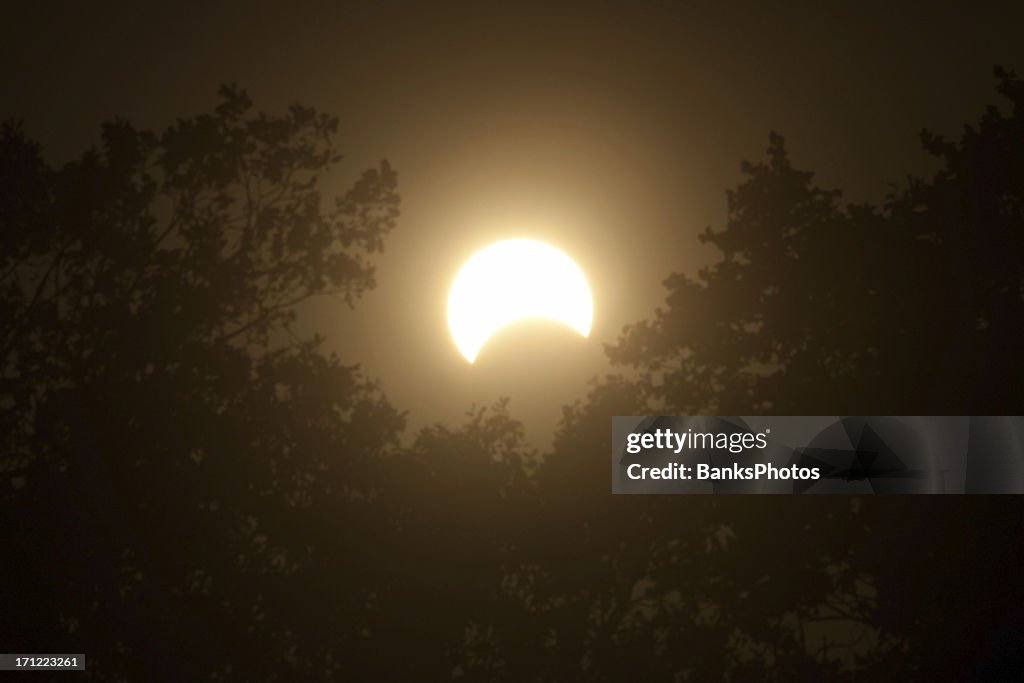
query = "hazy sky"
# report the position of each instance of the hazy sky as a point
(609, 130)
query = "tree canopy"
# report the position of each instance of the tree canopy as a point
(912, 307)
(191, 487)
(168, 442)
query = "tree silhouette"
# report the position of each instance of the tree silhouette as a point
(171, 450)
(192, 491)
(908, 308)
(813, 308)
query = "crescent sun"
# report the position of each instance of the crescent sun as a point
(511, 280)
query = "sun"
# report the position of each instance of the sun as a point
(511, 280)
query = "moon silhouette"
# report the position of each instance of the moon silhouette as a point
(511, 280)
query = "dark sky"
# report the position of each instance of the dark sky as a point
(609, 130)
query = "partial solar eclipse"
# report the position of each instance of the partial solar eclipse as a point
(511, 280)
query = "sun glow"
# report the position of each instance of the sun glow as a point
(511, 280)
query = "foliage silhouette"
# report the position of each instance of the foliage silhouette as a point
(817, 308)
(910, 308)
(172, 452)
(193, 492)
